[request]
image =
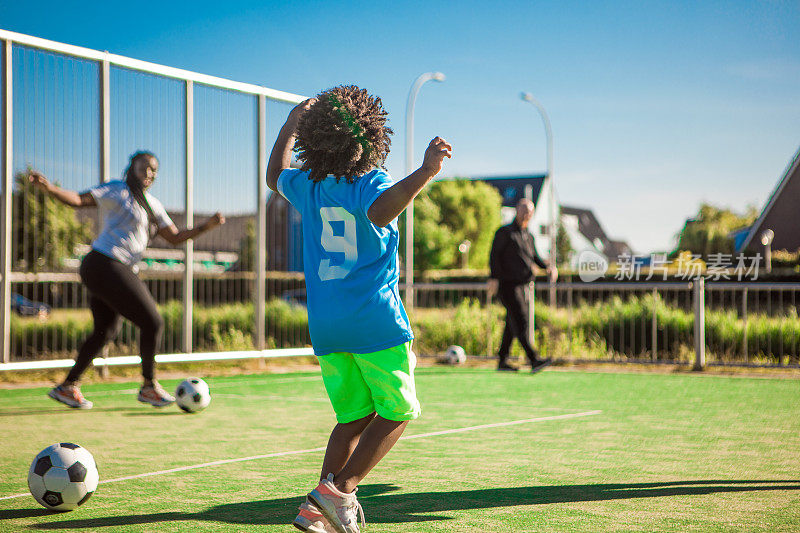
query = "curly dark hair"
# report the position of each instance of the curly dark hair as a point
(343, 134)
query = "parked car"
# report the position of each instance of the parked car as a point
(25, 307)
(296, 297)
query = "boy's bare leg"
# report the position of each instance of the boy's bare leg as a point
(342, 442)
(375, 442)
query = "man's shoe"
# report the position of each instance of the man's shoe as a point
(155, 395)
(310, 519)
(505, 367)
(70, 396)
(341, 510)
(540, 364)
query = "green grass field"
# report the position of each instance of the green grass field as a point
(666, 452)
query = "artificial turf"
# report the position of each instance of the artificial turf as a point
(667, 452)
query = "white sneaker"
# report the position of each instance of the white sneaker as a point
(310, 519)
(155, 395)
(341, 510)
(70, 396)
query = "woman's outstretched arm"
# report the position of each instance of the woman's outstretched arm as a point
(172, 235)
(70, 198)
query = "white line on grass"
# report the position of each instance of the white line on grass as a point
(501, 424)
(322, 448)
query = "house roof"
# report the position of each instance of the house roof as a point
(225, 238)
(617, 249)
(780, 209)
(590, 227)
(512, 188)
(587, 223)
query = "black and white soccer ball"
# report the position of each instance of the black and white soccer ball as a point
(455, 355)
(63, 476)
(192, 395)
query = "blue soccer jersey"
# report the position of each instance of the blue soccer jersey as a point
(350, 264)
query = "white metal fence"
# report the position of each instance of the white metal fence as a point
(77, 114)
(698, 322)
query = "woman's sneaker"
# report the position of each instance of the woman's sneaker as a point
(155, 395)
(310, 519)
(342, 510)
(70, 396)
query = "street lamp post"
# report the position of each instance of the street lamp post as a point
(409, 256)
(766, 240)
(528, 97)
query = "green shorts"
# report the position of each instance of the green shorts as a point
(380, 382)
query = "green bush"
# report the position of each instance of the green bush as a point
(468, 325)
(617, 327)
(224, 327)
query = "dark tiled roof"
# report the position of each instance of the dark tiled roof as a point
(225, 238)
(618, 248)
(512, 188)
(587, 223)
(590, 227)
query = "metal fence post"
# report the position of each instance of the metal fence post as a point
(744, 326)
(188, 254)
(260, 340)
(654, 326)
(531, 316)
(698, 287)
(105, 155)
(489, 328)
(569, 314)
(5, 226)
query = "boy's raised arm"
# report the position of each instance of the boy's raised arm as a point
(391, 203)
(281, 156)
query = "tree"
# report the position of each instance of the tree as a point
(45, 231)
(247, 248)
(448, 213)
(709, 232)
(563, 245)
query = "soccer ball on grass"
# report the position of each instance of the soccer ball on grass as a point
(192, 395)
(63, 476)
(455, 355)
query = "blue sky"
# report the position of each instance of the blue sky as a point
(655, 107)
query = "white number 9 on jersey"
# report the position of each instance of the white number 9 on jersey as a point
(331, 243)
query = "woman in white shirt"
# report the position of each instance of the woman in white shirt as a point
(132, 217)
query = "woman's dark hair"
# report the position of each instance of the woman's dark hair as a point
(344, 134)
(136, 188)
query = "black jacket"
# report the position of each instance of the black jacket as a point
(513, 255)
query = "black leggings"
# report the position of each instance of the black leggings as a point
(115, 291)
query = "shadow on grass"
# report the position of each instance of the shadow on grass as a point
(383, 507)
(65, 411)
(139, 412)
(24, 513)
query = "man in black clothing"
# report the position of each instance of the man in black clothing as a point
(511, 261)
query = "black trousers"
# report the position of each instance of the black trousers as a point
(115, 291)
(514, 298)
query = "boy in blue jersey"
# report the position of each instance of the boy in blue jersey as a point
(359, 328)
